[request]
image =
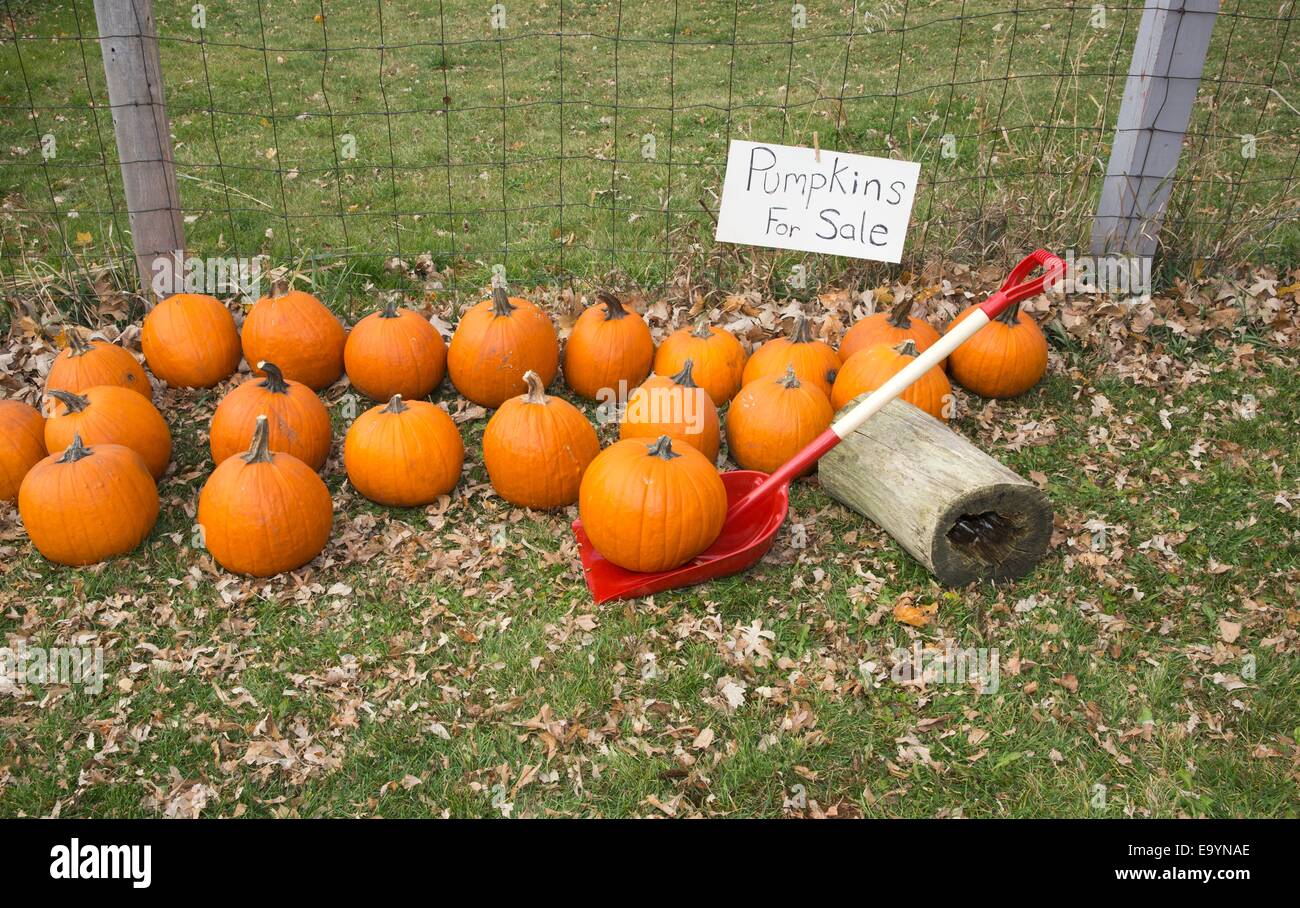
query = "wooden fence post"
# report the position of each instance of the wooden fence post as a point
(133, 71)
(1162, 82)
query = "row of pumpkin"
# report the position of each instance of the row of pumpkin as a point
(265, 510)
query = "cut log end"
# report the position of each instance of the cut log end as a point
(995, 533)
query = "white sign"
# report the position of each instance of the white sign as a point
(844, 204)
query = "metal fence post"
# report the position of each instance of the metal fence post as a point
(133, 71)
(1162, 82)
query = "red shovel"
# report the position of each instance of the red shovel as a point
(757, 502)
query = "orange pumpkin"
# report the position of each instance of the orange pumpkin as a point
(22, 444)
(1005, 358)
(295, 331)
(609, 345)
(772, 419)
(264, 512)
(86, 364)
(868, 369)
(395, 351)
(814, 361)
(496, 342)
(404, 454)
(109, 415)
(299, 422)
(190, 341)
(676, 407)
(536, 448)
(889, 328)
(719, 359)
(646, 506)
(84, 504)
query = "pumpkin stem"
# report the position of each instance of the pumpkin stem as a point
(258, 452)
(76, 451)
(501, 304)
(274, 382)
(789, 380)
(279, 288)
(907, 348)
(390, 308)
(77, 345)
(900, 315)
(802, 331)
(74, 402)
(684, 377)
(395, 405)
(536, 390)
(702, 328)
(1010, 315)
(663, 448)
(614, 308)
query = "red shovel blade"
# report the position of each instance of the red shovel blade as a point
(743, 542)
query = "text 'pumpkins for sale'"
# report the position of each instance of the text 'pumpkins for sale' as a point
(868, 369)
(395, 351)
(190, 341)
(22, 444)
(772, 419)
(650, 506)
(264, 512)
(295, 331)
(87, 364)
(298, 421)
(536, 448)
(405, 454)
(108, 414)
(85, 504)
(814, 361)
(673, 406)
(496, 342)
(609, 345)
(718, 356)
(1005, 358)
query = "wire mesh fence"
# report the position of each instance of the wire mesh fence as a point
(569, 141)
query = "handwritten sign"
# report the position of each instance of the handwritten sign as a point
(845, 204)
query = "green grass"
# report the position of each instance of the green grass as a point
(260, 134)
(469, 656)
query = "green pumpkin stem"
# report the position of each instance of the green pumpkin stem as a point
(77, 345)
(907, 348)
(74, 402)
(274, 381)
(536, 390)
(258, 451)
(1010, 315)
(801, 333)
(75, 451)
(702, 328)
(901, 315)
(396, 405)
(684, 377)
(614, 308)
(390, 308)
(663, 448)
(789, 380)
(501, 305)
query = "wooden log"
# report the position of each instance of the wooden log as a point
(958, 511)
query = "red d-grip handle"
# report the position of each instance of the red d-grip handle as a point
(1015, 288)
